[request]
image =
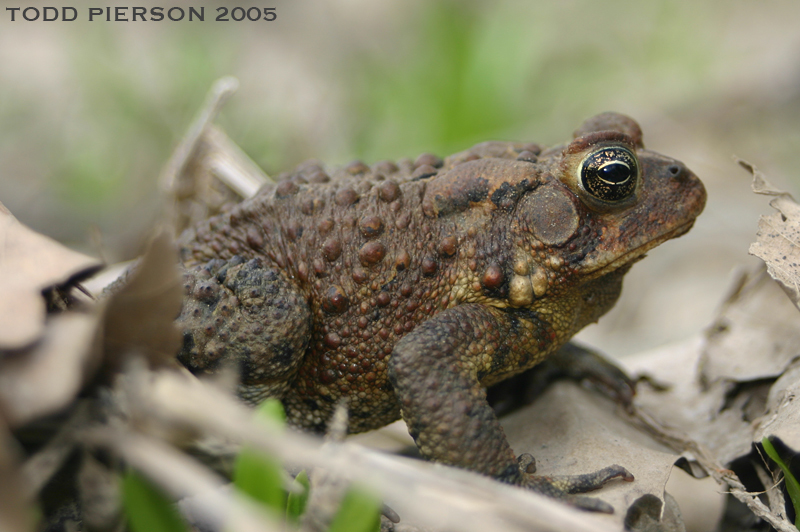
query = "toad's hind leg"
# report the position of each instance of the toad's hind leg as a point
(246, 315)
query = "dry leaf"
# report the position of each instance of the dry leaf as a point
(47, 377)
(781, 420)
(139, 317)
(30, 263)
(778, 239)
(756, 334)
(571, 430)
(783, 410)
(721, 391)
(683, 403)
(208, 170)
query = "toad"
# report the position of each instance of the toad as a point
(405, 289)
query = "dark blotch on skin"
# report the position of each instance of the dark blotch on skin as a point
(423, 171)
(254, 238)
(506, 195)
(360, 275)
(448, 246)
(428, 159)
(456, 199)
(318, 176)
(403, 260)
(324, 226)
(386, 167)
(294, 231)
(356, 167)
(383, 299)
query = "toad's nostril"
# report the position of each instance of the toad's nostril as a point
(678, 172)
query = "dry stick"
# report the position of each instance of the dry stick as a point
(774, 496)
(452, 498)
(184, 478)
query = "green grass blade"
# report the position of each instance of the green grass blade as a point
(296, 502)
(147, 508)
(792, 486)
(272, 410)
(260, 476)
(360, 512)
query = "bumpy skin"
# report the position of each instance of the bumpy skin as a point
(408, 288)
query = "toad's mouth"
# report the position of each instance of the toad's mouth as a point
(637, 253)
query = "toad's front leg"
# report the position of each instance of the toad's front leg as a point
(438, 371)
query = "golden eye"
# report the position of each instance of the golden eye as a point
(610, 174)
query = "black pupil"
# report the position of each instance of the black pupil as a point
(614, 173)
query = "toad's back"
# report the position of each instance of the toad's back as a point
(369, 264)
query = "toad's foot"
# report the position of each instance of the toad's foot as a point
(564, 487)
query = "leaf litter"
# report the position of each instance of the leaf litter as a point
(29, 264)
(87, 387)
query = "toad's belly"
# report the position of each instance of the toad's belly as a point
(324, 380)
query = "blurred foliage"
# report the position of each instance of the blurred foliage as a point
(258, 475)
(147, 508)
(131, 106)
(110, 102)
(261, 477)
(472, 72)
(360, 511)
(463, 80)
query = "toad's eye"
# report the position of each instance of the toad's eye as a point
(610, 174)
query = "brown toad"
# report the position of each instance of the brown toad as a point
(409, 288)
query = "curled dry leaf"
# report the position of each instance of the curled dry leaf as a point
(778, 242)
(208, 170)
(30, 263)
(140, 313)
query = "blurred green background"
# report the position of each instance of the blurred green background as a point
(89, 112)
